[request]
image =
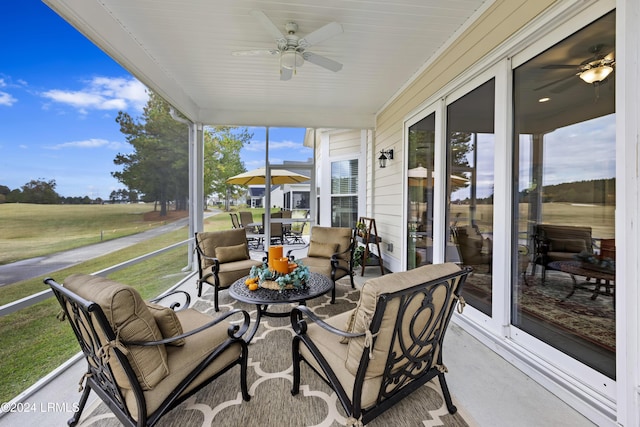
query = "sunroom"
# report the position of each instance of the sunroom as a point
(494, 118)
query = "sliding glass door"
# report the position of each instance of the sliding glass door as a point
(563, 283)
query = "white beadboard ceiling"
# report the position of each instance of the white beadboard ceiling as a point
(182, 49)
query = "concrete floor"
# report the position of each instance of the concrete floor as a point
(487, 389)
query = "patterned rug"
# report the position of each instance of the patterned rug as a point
(579, 315)
(270, 379)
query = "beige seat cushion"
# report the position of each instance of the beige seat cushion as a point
(167, 322)
(323, 266)
(336, 354)
(232, 271)
(131, 320)
(184, 359)
(363, 313)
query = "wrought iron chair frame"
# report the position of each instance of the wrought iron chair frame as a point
(93, 332)
(396, 383)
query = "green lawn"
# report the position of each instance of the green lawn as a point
(28, 231)
(32, 341)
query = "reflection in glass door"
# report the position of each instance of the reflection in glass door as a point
(470, 158)
(563, 284)
(420, 193)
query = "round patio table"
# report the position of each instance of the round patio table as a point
(317, 285)
(603, 278)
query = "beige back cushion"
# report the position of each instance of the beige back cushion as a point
(321, 250)
(232, 253)
(167, 322)
(340, 236)
(366, 307)
(131, 320)
(209, 241)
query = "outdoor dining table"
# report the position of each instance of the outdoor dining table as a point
(317, 285)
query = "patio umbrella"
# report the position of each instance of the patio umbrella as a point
(418, 175)
(259, 176)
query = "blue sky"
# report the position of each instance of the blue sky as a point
(59, 97)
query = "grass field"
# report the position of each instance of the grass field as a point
(32, 341)
(28, 231)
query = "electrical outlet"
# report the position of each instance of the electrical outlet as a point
(389, 247)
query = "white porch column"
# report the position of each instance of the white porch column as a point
(196, 186)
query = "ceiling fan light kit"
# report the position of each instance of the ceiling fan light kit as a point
(292, 49)
(596, 74)
(291, 59)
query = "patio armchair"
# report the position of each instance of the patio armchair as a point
(473, 248)
(246, 218)
(388, 346)
(559, 243)
(223, 258)
(294, 235)
(329, 252)
(144, 359)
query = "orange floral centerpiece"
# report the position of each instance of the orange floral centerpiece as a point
(280, 274)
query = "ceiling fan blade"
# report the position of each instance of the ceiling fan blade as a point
(321, 34)
(556, 82)
(256, 52)
(285, 73)
(322, 61)
(566, 85)
(268, 24)
(560, 67)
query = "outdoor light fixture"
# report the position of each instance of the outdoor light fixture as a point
(596, 74)
(291, 59)
(384, 156)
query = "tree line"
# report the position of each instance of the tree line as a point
(157, 168)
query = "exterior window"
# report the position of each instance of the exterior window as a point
(344, 193)
(470, 154)
(420, 192)
(564, 181)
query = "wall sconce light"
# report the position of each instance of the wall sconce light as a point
(384, 156)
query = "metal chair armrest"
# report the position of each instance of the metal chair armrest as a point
(234, 331)
(175, 305)
(299, 324)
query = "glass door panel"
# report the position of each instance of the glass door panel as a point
(420, 192)
(563, 282)
(470, 166)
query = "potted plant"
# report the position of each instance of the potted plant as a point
(358, 253)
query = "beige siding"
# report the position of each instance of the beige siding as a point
(491, 29)
(344, 143)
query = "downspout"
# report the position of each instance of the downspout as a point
(196, 185)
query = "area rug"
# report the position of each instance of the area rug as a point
(270, 379)
(579, 315)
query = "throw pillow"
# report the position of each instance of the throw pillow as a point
(322, 250)
(131, 319)
(231, 253)
(167, 321)
(568, 245)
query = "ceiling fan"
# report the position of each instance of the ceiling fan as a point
(292, 49)
(593, 70)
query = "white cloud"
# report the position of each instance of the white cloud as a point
(6, 99)
(103, 93)
(88, 143)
